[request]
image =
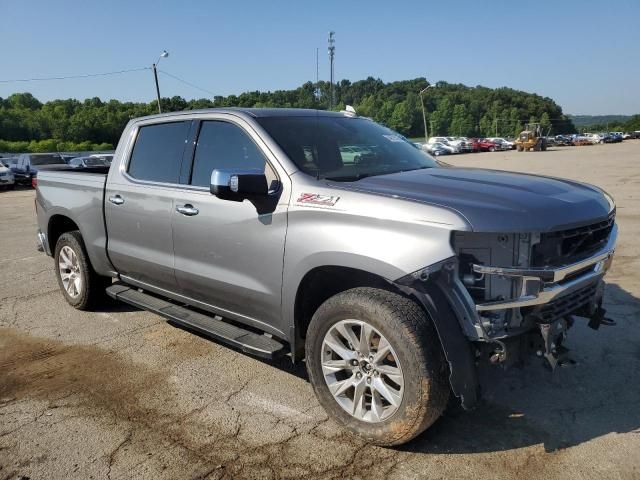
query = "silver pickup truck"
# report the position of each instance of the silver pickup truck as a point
(330, 238)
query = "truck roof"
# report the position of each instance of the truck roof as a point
(255, 112)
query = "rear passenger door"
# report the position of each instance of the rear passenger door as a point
(139, 204)
(227, 255)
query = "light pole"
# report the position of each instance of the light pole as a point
(332, 52)
(164, 54)
(424, 113)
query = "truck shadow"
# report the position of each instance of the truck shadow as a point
(530, 405)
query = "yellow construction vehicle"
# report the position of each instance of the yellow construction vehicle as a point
(531, 138)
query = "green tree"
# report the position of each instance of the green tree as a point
(452, 109)
(401, 118)
(545, 123)
(461, 121)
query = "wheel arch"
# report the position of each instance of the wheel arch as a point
(58, 225)
(60, 221)
(318, 285)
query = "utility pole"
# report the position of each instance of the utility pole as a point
(424, 113)
(332, 50)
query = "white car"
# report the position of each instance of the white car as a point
(7, 180)
(504, 144)
(594, 137)
(448, 141)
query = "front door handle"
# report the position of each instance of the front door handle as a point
(116, 200)
(188, 210)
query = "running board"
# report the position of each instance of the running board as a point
(211, 326)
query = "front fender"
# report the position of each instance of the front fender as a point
(389, 239)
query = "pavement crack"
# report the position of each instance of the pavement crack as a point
(115, 451)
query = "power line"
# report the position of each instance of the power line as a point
(188, 83)
(68, 77)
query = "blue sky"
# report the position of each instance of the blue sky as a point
(583, 54)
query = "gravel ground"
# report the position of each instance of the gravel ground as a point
(119, 393)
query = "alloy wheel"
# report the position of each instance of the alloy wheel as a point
(362, 371)
(70, 274)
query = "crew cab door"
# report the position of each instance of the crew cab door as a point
(139, 204)
(227, 255)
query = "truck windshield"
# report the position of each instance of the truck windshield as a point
(344, 148)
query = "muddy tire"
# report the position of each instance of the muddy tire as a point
(81, 286)
(388, 388)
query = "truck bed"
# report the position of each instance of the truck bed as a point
(77, 194)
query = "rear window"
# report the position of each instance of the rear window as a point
(46, 160)
(157, 152)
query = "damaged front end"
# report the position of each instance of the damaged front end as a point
(520, 292)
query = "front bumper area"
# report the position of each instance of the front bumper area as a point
(543, 285)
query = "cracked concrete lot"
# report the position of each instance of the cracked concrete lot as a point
(119, 393)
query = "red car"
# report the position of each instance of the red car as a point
(483, 145)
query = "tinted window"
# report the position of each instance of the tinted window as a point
(46, 160)
(158, 152)
(223, 145)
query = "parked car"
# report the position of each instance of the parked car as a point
(458, 143)
(7, 180)
(445, 141)
(106, 157)
(28, 165)
(616, 137)
(563, 140)
(484, 145)
(90, 161)
(440, 147)
(465, 145)
(394, 276)
(581, 140)
(502, 144)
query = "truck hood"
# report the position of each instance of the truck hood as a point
(495, 201)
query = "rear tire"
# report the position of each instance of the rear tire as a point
(81, 286)
(414, 369)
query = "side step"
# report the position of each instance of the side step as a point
(211, 326)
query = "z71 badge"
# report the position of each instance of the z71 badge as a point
(317, 199)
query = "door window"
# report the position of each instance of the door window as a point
(223, 145)
(158, 152)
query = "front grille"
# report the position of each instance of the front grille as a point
(568, 246)
(564, 305)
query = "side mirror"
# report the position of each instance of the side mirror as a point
(238, 185)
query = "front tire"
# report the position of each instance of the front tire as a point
(81, 286)
(376, 365)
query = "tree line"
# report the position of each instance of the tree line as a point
(632, 124)
(26, 124)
